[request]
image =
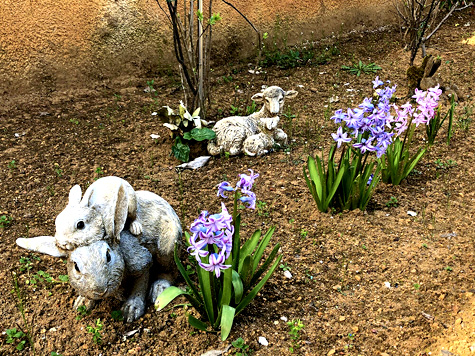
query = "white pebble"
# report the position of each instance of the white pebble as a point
(284, 318)
(288, 274)
(263, 341)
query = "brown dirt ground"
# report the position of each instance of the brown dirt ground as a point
(340, 263)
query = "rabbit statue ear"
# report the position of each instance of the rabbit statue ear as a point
(75, 195)
(114, 220)
(42, 244)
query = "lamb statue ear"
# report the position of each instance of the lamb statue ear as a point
(291, 94)
(257, 97)
(114, 219)
(75, 195)
(42, 244)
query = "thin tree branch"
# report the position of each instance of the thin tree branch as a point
(442, 21)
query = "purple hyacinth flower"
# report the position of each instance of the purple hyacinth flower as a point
(419, 95)
(245, 181)
(224, 187)
(225, 243)
(340, 137)
(198, 224)
(216, 264)
(370, 179)
(249, 200)
(376, 82)
(365, 145)
(339, 116)
(367, 105)
(435, 92)
(196, 248)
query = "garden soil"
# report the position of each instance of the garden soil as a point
(379, 282)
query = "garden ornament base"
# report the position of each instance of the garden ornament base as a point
(255, 134)
(107, 248)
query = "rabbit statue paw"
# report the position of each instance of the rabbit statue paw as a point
(135, 228)
(133, 308)
(83, 301)
(157, 288)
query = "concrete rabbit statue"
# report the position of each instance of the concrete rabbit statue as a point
(100, 215)
(98, 269)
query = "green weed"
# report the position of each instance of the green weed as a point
(358, 68)
(262, 208)
(17, 337)
(96, 331)
(242, 348)
(12, 165)
(284, 267)
(295, 326)
(27, 333)
(58, 170)
(5, 221)
(82, 312)
(117, 315)
(392, 202)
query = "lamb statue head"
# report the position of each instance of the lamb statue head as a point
(273, 98)
(255, 134)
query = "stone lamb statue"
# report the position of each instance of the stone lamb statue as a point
(98, 268)
(254, 134)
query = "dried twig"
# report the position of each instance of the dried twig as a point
(421, 16)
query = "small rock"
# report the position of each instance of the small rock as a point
(331, 352)
(387, 284)
(284, 318)
(263, 341)
(411, 213)
(342, 318)
(287, 274)
(334, 99)
(154, 136)
(450, 234)
(216, 352)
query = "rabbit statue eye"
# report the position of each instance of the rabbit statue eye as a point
(76, 267)
(108, 256)
(80, 225)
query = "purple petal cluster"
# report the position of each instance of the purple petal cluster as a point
(426, 105)
(245, 184)
(375, 122)
(246, 181)
(212, 233)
